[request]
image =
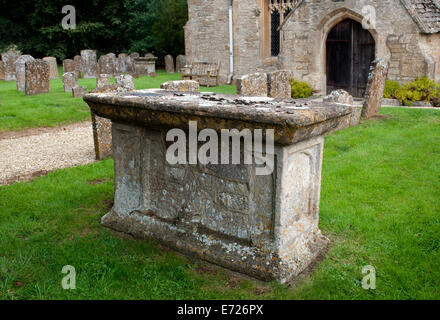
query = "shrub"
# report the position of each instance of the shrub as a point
(391, 88)
(421, 89)
(300, 89)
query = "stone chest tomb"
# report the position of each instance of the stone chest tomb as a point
(263, 225)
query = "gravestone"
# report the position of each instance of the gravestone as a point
(78, 67)
(2, 70)
(20, 71)
(69, 81)
(103, 80)
(169, 63)
(89, 64)
(125, 81)
(68, 66)
(182, 86)
(279, 85)
(9, 59)
(264, 224)
(121, 66)
(253, 85)
(37, 77)
(339, 96)
(53, 67)
(141, 66)
(180, 62)
(151, 64)
(105, 65)
(375, 88)
(79, 92)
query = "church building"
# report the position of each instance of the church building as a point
(330, 44)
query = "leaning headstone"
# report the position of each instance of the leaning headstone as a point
(53, 67)
(375, 88)
(89, 64)
(79, 92)
(68, 65)
(180, 62)
(69, 81)
(103, 80)
(339, 96)
(126, 81)
(279, 86)
(9, 59)
(78, 67)
(169, 63)
(182, 86)
(2, 70)
(20, 71)
(105, 65)
(253, 85)
(121, 65)
(37, 77)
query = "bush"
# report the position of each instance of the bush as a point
(300, 89)
(391, 88)
(421, 89)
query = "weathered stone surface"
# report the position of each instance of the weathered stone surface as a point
(375, 88)
(89, 64)
(279, 84)
(103, 80)
(78, 66)
(102, 136)
(121, 65)
(253, 85)
(355, 115)
(2, 70)
(20, 71)
(37, 77)
(106, 64)
(9, 59)
(141, 66)
(264, 226)
(125, 81)
(68, 65)
(182, 86)
(180, 62)
(53, 67)
(339, 96)
(169, 63)
(151, 64)
(79, 92)
(69, 81)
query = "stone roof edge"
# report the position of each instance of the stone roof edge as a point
(412, 12)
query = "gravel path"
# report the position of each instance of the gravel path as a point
(31, 153)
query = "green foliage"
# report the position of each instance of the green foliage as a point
(421, 89)
(300, 89)
(105, 25)
(391, 88)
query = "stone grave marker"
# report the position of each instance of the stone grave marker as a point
(180, 62)
(253, 85)
(79, 92)
(125, 81)
(103, 80)
(169, 63)
(279, 85)
(53, 67)
(20, 71)
(182, 86)
(68, 66)
(78, 67)
(9, 59)
(121, 66)
(69, 81)
(2, 70)
(375, 88)
(37, 77)
(89, 64)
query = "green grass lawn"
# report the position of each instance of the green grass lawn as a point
(19, 111)
(380, 206)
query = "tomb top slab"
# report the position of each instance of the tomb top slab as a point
(292, 120)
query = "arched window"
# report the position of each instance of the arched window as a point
(278, 10)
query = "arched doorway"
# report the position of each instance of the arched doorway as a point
(350, 51)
